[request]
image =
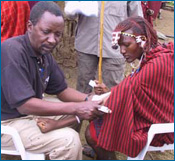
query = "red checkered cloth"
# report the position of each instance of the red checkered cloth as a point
(137, 102)
(14, 17)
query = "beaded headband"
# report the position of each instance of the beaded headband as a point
(116, 36)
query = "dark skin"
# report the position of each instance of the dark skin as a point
(131, 51)
(100, 88)
(129, 48)
(44, 36)
(47, 124)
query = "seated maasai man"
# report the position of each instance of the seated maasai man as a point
(143, 98)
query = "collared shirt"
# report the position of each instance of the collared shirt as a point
(22, 76)
(14, 17)
(87, 38)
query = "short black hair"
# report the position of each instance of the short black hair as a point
(44, 6)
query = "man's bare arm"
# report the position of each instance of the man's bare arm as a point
(71, 95)
(85, 110)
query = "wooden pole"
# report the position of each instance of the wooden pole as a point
(101, 42)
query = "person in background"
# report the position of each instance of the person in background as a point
(28, 70)
(147, 12)
(143, 98)
(14, 17)
(155, 6)
(87, 40)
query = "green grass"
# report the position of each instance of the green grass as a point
(171, 3)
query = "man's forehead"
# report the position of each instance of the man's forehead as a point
(126, 39)
(49, 19)
(127, 36)
(47, 15)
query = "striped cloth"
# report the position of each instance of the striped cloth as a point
(14, 17)
(139, 101)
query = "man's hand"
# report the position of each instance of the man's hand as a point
(89, 110)
(150, 12)
(100, 88)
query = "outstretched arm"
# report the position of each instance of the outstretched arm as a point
(85, 110)
(47, 124)
(71, 95)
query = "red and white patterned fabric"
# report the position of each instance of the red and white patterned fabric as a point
(14, 17)
(137, 102)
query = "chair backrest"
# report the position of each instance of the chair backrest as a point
(19, 147)
(160, 128)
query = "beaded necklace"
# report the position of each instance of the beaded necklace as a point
(136, 69)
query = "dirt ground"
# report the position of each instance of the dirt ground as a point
(165, 26)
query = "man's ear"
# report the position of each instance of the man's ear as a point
(29, 26)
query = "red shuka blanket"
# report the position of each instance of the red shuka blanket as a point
(14, 17)
(139, 101)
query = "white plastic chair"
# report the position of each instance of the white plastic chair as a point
(19, 147)
(156, 129)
